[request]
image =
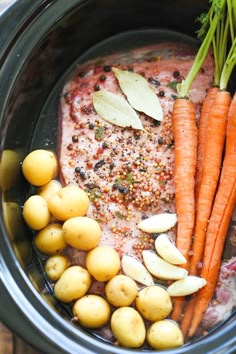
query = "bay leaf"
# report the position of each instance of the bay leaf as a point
(115, 109)
(139, 93)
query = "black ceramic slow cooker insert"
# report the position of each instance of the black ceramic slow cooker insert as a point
(39, 41)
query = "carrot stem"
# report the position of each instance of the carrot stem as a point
(218, 9)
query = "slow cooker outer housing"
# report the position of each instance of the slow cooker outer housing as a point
(39, 40)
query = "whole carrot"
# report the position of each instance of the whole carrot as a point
(185, 137)
(215, 140)
(220, 42)
(218, 224)
(202, 136)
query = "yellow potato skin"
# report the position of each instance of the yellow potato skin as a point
(164, 334)
(69, 202)
(103, 263)
(153, 303)
(121, 291)
(82, 233)
(128, 327)
(50, 239)
(74, 283)
(40, 167)
(55, 266)
(36, 213)
(92, 311)
(49, 189)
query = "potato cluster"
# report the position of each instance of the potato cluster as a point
(58, 216)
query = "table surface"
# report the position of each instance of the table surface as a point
(11, 344)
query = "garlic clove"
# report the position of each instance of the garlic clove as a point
(136, 270)
(162, 269)
(158, 223)
(186, 286)
(168, 251)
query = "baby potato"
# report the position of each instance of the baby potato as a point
(165, 334)
(56, 265)
(154, 303)
(92, 311)
(49, 189)
(36, 213)
(50, 240)
(128, 327)
(39, 167)
(73, 284)
(121, 290)
(82, 232)
(68, 202)
(103, 263)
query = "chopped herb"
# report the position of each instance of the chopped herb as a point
(129, 178)
(95, 193)
(119, 215)
(99, 133)
(161, 182)
(172, 84)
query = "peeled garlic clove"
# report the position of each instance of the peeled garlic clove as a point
(158, 223)
(167, 250)
(162, 269)
(136, 270)
(186, 286)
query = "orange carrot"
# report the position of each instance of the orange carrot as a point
(176, 314)
(185, 137)
(218, 224)
(202, 136)
(216, 133)
(188, 314)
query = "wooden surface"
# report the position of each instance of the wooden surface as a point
(10, 344)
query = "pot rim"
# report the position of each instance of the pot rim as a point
(44, 328)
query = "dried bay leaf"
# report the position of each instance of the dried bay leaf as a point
(116, 110)
(139, 93)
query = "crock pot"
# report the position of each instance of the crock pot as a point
(39, 41)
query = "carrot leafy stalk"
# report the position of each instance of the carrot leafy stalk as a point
(185, 137)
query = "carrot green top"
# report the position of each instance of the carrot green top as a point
(210, 32)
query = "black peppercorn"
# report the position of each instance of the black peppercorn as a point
(102, 78)
(77, 170)
(81, 74)
(91, 126)
(75, 138)
(96, 87)
(161, 93)
(176, 74)
(107, 68)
